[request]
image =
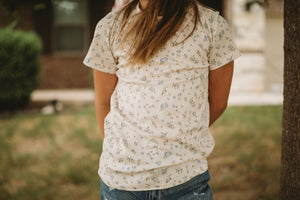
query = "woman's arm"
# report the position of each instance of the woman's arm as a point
(219, 88)
(105, 84)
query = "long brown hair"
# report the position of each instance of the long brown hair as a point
(149, 35)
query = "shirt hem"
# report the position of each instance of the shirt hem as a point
(166, 186)
(99, 69)
(225, 62)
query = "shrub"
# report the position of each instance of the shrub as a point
(19, 67)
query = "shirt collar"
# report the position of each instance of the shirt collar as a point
(136, 10)
(188, 18)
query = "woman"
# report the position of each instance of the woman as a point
(162, 75)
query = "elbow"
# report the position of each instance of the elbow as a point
(102, 101)
(222, 107)
(218, 108)
(103, 104)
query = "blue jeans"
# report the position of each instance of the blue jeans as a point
(195, 189)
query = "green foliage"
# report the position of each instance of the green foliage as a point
(11, 7)
(19, 71)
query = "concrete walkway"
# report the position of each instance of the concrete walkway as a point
(87, 96)
(236, 99)
(65, 96)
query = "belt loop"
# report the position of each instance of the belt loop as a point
(161, 194)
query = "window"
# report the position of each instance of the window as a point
(70, 32)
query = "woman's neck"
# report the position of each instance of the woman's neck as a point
(143, 4)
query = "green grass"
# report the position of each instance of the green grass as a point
(50, 157)
(56, 157)
(246, 161)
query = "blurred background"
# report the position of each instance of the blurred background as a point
(49, 139)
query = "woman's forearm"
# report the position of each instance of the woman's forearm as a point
(101, 113)
(218, 90)
(215, 111)
(104, 86)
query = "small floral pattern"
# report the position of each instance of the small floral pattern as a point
(157, 132)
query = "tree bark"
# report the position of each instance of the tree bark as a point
(290, 161)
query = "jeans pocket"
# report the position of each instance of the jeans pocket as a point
(203, 192)
(200, 196)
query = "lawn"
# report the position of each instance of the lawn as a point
(56, 156)
(245, 164)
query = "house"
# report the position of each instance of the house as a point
(274, 52)
(66, 28)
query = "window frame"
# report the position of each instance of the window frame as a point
(86, 32)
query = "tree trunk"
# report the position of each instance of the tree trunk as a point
(290, 161)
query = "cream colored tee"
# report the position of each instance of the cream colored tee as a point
(157, 132)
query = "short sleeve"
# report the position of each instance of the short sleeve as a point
(222, 48)
(99, 55)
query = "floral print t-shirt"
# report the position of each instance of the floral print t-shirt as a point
(119, 3)
(157, 131)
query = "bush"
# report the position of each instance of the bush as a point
(19, 69)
